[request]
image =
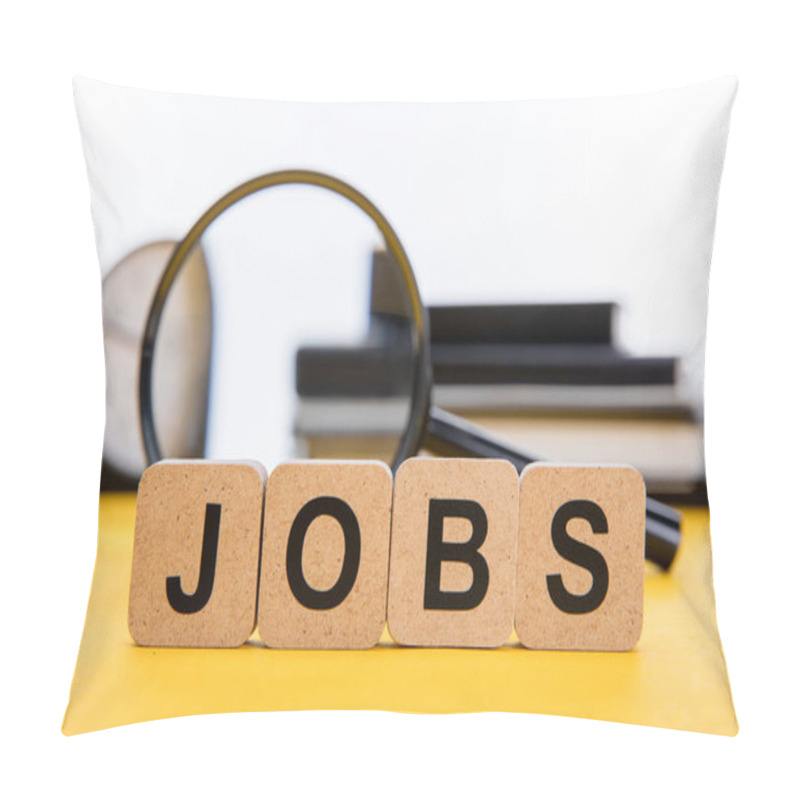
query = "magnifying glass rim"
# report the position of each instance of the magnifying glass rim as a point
(416, 422)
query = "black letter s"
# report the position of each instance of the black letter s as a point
(582, 555)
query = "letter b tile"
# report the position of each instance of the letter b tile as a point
(195, 555)
(453, 552)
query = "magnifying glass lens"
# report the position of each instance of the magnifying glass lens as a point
(313, 350)
(353, 398)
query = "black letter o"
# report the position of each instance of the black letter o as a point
(306, 595)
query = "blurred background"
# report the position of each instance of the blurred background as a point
(563, 256)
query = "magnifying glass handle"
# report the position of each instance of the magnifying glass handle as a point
(449, 435)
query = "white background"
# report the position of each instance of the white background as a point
(52, 386)
(576, 200)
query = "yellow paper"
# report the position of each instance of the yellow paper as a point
(675, 678)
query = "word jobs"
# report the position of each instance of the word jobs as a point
(449, 553)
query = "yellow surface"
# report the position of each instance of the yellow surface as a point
(675, 678)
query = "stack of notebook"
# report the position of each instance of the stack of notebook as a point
(549, 378)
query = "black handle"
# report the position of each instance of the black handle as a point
(449, 435)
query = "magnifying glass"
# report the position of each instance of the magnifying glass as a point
(394, 367)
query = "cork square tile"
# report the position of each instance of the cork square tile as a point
(325, 560)
(194, 579)
(580, 572)
(452, 566)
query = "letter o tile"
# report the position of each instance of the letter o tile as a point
(326, 555)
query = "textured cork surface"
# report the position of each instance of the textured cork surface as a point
(463, 495)
(184, 591)
(589, 596)
(325, 562)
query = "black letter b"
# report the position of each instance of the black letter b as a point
(464, 552)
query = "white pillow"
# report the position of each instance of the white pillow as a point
(539, 200)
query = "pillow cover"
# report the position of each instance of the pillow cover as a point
(594, 218)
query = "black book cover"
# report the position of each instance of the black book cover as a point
(377, 371)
